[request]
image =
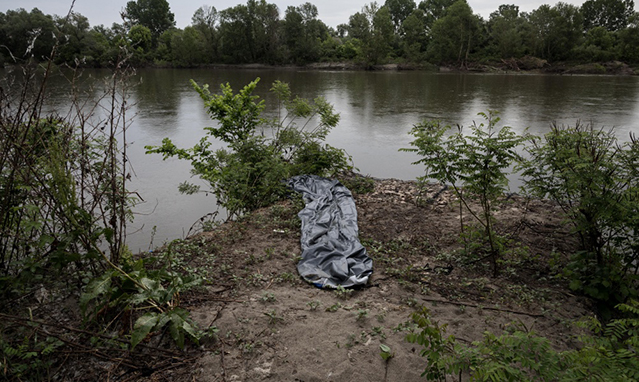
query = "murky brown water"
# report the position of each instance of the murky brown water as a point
(377, 111)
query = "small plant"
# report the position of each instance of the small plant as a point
(288, 277)
(273, 317)
(385, 352)
(379, 331)
(473, 164)
(362, 314)
(334, 308)
(608, 352)
(268, 297)
(313, 305)
(134, 286)
(343, 293)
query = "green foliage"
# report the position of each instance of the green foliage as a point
(386, 352)
(475, 164)
(63, 201)
(29, 359)
(151, 283)
(455, 35)
(433, 32)
(594, 180)
(155, 15)
(249, 173)
(608, 353)
(438, 348)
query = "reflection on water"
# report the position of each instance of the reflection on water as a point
(377, 109)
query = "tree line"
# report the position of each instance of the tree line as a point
(439, 32)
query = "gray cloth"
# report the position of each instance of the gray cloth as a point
(332, 255)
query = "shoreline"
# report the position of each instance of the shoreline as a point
(526, 65)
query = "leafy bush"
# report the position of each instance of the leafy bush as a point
(474, 164)
(609, 353)
(248, 174)
(151, 284)
(595, 181)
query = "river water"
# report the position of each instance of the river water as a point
(377, 110)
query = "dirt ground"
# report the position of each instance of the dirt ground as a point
(271, 325)
(274, 326)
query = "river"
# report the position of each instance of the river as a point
(377, 110)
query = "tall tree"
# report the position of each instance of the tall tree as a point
(153, 14)
(27, 34)
(434, 10)
(610, 14)
(628, 40)
(505, 30)
(399, 11)
(454, 35)
(555, 31)
(249, 33)
(205, 20)
(415, 38)
(75, 37)
(304, 32)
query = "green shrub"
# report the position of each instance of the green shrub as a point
(608, 352)
(249, 173)
(594, 179)
(475, 164)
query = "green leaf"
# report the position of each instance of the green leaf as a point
(142, 327)
(96, 287)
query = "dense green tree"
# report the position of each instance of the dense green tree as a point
(74, 38)
(153, 14)
(399, 10)
(610, 14)
(139, 43)
(188, 47)
(455, 35)
(415, 39)
(304, 33)
(27, 34)
(371, 31)
(205, 20)
(359, 27)
(555, 31)
(434, 10)
(505, 31)
(249, 33)
(628, 40)
(598, 45)
(382, 36)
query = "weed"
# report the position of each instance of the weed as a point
(378, 331)
(288, 277)
(268, 297)
(334, 307)
(385, 352)
(273, 317)
(313, 305)
(362, 314)
(343, 293)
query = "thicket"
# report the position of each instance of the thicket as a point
(607, 352)
(593, 178)
(64, 209)
(394, 31)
